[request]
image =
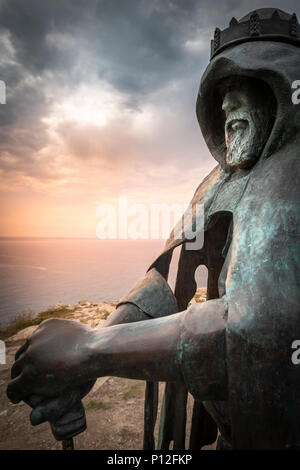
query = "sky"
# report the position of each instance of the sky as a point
(100, 104)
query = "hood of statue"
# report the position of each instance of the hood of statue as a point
(262, 46)
(270, 56)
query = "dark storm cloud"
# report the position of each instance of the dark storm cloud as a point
(136, 45)
(130, 32)
(29, 22)
(140, 47)
(131, 43)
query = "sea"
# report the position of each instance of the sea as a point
(38, 273)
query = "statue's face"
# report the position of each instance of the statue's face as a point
(246, 126)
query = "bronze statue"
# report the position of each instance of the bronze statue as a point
(232, 352)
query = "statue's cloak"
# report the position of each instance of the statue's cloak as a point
(231, 199)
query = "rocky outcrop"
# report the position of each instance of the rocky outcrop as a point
(90, 313)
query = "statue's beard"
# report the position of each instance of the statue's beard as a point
(245, 136)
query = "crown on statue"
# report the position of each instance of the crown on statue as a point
(264, 24)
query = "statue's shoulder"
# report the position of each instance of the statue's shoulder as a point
(278, 176)
(203, 196)
(209, 185)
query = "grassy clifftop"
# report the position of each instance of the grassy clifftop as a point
(90, 313)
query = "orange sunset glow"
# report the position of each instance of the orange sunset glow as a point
(100, 104)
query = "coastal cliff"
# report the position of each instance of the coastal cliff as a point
(90, 313)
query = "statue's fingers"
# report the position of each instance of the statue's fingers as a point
(17, 367)
(69, 430)
(18, 388)
(70, 424)
(86, 388)
(34, 400)
(21, 349)
(53, 409)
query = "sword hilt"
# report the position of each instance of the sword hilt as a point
(69, 426)
(68, 444)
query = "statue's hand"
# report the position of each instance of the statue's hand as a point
(53, 361)
(65, 413)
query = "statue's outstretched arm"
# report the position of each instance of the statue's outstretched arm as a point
(189, 346)
(150, 298)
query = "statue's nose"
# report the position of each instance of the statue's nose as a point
(231, 102)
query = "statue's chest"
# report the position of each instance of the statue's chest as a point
(262, 289)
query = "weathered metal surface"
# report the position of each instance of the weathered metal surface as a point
(152, 295)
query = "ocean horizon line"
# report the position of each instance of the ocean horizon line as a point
(82, 238)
